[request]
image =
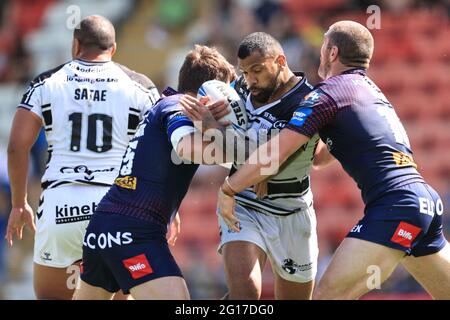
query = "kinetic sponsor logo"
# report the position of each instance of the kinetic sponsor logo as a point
(66, 214)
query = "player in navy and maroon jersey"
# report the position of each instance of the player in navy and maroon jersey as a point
(125, 245)
(402, 220)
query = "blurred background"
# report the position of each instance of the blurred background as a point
(411, 64)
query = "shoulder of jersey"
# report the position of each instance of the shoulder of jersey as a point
(46, 74)
(140, 78)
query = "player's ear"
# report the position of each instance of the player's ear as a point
(281, 60)
(113, 49)
(75, 48)
(334, 53)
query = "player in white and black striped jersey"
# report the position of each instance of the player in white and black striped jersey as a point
(90, 107)
(280, 224)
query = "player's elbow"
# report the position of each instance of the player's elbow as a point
(322, 162)
(15, 147)
(186, 150)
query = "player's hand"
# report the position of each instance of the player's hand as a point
(174, 230)
(260, 189)
(226, 206)
(218, 110)
(200, 113)
(19, 217)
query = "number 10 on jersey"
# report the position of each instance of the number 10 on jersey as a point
(95, 121)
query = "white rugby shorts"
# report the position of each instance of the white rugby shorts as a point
(290, 242)
(61, 221)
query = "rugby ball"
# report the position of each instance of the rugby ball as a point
(217, 90)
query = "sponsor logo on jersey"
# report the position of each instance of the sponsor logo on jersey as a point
(90, 80)
(299, 117)
(280, 124)
(88, 173)
(428, 207)
(291, 267)
(46, 256)
(403, 160)
(238, 224)
(312, 97)
(107, 240)
(126, 182)
(405, 234)
(329, 144)
(356, 229)
(68, 214)
(138, 266)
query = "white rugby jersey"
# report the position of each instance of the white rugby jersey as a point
(89, 110)
(289, 190)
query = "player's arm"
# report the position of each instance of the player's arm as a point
(189, 143)
(174, 230)
(237, 145)
(24, 132)
(193, 148)
(322, 157)
(263, 162)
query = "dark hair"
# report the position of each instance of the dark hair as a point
(203, 64)
(95, 32)
(354, 43)
(261, 41)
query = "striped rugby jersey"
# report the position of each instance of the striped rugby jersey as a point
(362, 131)
(288, 190)
(89, 110)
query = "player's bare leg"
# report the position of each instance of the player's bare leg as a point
(59, 283)
(289, 290)
(244, 262)
(85, 291)
(432, 272)
(166, 288)
(355, 269)
(54, 283)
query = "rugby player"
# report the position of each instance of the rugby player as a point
(279, 223)
(125, 246)
(90, 108)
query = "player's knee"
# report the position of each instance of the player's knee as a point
(52, 294)
(244, 288)
(336, 291)
(327, 291)
(244, 294)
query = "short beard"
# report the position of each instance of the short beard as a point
(265, 93)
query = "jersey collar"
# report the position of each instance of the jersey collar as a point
(360, 71)
(91, 63)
